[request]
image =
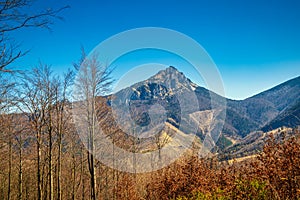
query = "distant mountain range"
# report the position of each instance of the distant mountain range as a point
(290, 117)
(171, 96)
(261, 109)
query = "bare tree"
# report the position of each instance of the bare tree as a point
(36, 95)
(9, 135)
(20, 126)
(93, 80)
(12, 18)
(6, 92)
(62, 121)
(20, 141)
(161, 139)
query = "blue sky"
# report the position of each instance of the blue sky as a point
(255, 44)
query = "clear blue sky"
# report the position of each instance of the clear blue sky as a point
(254, 43)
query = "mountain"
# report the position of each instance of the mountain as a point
(268, 104)
(289, 117)
(253, 143)
(167, 96)
(170, 97)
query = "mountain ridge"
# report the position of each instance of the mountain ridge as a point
(242, 116)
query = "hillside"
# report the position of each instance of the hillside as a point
(179, 98)
(290, 117)
(254, 142)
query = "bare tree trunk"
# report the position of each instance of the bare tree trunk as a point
(82, 174)
(39, 155)
(83, 189)
(92, 175)
(60, 107)
(9, 166)
(20, 168)
(59, 168)
(73, 176)
(114, 171)
(59, 116)
(50, 157)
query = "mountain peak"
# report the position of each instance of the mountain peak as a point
(172, 78)
(171, 68)
(169, 73)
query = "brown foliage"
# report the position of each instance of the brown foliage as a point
(274, 174)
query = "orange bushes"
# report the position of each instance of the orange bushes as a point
(274, 174)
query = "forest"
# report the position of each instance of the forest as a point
(50, 162)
